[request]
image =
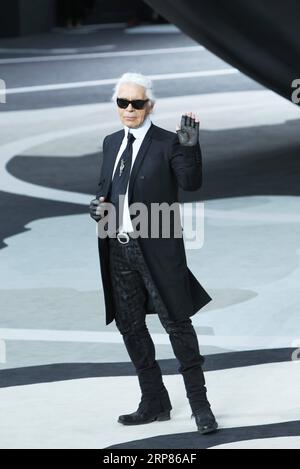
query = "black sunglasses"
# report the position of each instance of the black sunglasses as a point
(136, 103)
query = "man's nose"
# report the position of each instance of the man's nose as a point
(130, 107)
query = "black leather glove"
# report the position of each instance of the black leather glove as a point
(188, 133)
(97, 208)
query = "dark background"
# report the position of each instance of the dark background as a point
(23, 17)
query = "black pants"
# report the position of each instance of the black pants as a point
(132, 282)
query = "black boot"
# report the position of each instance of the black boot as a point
(205, 419)
(150, 409)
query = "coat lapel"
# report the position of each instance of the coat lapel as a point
(112, 151)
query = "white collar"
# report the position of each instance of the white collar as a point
(139, 132)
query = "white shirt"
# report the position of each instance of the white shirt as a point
(139, 135)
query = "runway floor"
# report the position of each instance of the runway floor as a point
(59, 363)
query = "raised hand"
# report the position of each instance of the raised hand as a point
(188, 131)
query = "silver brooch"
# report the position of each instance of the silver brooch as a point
(122, 165)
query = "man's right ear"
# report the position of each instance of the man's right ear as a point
(151, 108)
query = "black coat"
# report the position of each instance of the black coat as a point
(161, 166)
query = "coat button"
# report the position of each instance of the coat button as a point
(142, 177)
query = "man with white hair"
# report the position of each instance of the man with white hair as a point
(143, 163)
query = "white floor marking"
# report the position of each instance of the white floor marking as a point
(111, 81)
(52, 51)
(103, 55)
(154, 29)
(232, 342)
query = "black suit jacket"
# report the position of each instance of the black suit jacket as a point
(162, 166)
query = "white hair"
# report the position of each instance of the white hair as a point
(138, 79)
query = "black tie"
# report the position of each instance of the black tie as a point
(120, 179)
